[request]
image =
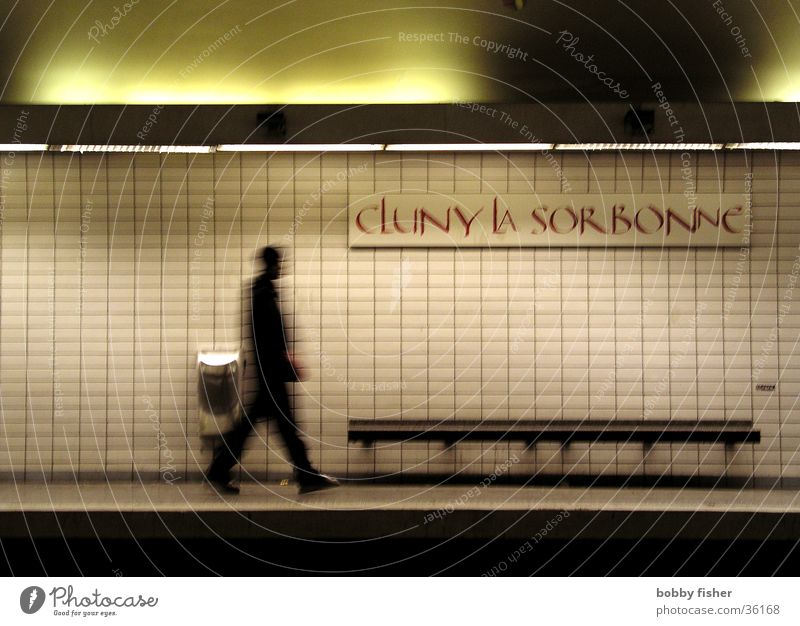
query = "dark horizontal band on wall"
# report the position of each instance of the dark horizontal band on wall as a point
(389, 124)
(565, 431)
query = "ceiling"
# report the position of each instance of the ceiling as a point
(347, 51)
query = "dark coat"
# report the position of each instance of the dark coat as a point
(269, 334)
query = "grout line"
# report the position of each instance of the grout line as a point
(81, 255)
(242, 379)
(642, 256)
(428, 308)
(535, 254)
(564, 448)
(51, 280)
(749, 306)
(105, 159)
(136, 260)
(187, 180)
(374, 312)
(669, 339)
(28, 413)
(725, 415)
(402, 346)
(778, 318)
(12, 465)
(161, 322)
(693, 256)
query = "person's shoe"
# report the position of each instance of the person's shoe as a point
(316, 482)
(222, 484)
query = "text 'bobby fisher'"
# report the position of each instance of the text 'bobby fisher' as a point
(688, 594)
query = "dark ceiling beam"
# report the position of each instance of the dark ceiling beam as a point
(438, 123)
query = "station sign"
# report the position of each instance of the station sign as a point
(549, 220)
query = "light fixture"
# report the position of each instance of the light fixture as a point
(300, 147)
(398, 147)
(764, 145)
(132, 148)
(468, 147)
(23, 147)
(217, 358)
(644, 147)
(639, 122)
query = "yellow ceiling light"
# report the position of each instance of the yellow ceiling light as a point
(355, 52)
(363, 90)
(406, 87)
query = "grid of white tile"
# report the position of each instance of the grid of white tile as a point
(116, 269)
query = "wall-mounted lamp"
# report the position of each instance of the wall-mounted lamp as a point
(272, 123)
(639, 122)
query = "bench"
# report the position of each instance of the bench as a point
(564, 431)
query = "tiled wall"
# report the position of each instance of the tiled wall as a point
(116, 270)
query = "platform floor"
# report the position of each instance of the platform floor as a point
(195, 496)
(188, 529)
(364, 511)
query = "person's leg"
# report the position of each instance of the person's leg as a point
(229, 450)
(306, 475)
(287, 427)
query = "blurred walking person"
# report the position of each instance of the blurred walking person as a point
(276, 368)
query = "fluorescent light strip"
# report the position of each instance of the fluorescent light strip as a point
(644, 147)
(23, 147)
(300, 147)
(407, 147)
(468, 147)
(133, 148)
(764, 145)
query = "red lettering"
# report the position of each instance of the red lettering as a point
(730, 212)
(587, 219)
(423, 215)
(617, 215)
(638, 220)
(671, 215)
(506, 216)
(359, 225)
(572, 215)
(399, 228)
(539, 219)
(699, 215)
(464, 221)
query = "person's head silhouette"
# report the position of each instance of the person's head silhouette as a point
(272, 262)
